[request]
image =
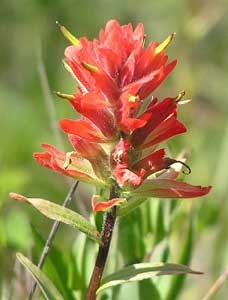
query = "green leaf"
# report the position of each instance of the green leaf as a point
(131, 237)
(78, 250)
(147, 287)
(48, 289)
(160, 231)
(142, 271)
(84, 254)
(177, 282)
(56, 265)
(62, 214)
(17, 230)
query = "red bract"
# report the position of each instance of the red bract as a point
(115, 140)
(117, 61)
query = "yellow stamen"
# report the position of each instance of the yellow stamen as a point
(180, 96)
(184, 101)
(89, 67)
(64, 96)
(164, 44)
(69, 36)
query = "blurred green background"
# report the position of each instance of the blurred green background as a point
(30, 40)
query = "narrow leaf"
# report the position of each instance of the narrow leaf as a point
(160, 230)
(147, 287)
(48, 289)
(185, 257)
(142, 271)
(56, 212)
(131, 238)
(56, 264)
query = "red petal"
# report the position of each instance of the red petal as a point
(156, 116)
(93, 106)
(43, 158)
(161, 74)
(167, 129)
(109, 60)
(85, 148)
(141, 81)
(153, 163)
(105, 205)
(54, 160)
(145, 60)
(165, 188)
(91, 80)
(124, 176)
(83, 129)
(128, 125)
(127, 109)
(112, 38)
(138, 33)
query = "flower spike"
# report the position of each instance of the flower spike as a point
(164, 44)
(69, 36)
(117, 138)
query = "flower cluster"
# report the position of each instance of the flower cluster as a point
(116, 140)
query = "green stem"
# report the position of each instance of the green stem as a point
(108, 225)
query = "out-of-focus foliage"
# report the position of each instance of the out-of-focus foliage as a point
(201, 48)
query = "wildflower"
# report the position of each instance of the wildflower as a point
(115, 140)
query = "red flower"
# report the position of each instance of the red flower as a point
(114, 139)
(117, 61)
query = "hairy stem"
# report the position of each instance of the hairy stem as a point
(51, 236)
(108, 225)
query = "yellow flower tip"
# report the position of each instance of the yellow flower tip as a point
(164, 44)
(18, 197)
(180, 96)
(69, 36)
(64, 96)
(179, 100)
(89, 67)
(186, 101)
